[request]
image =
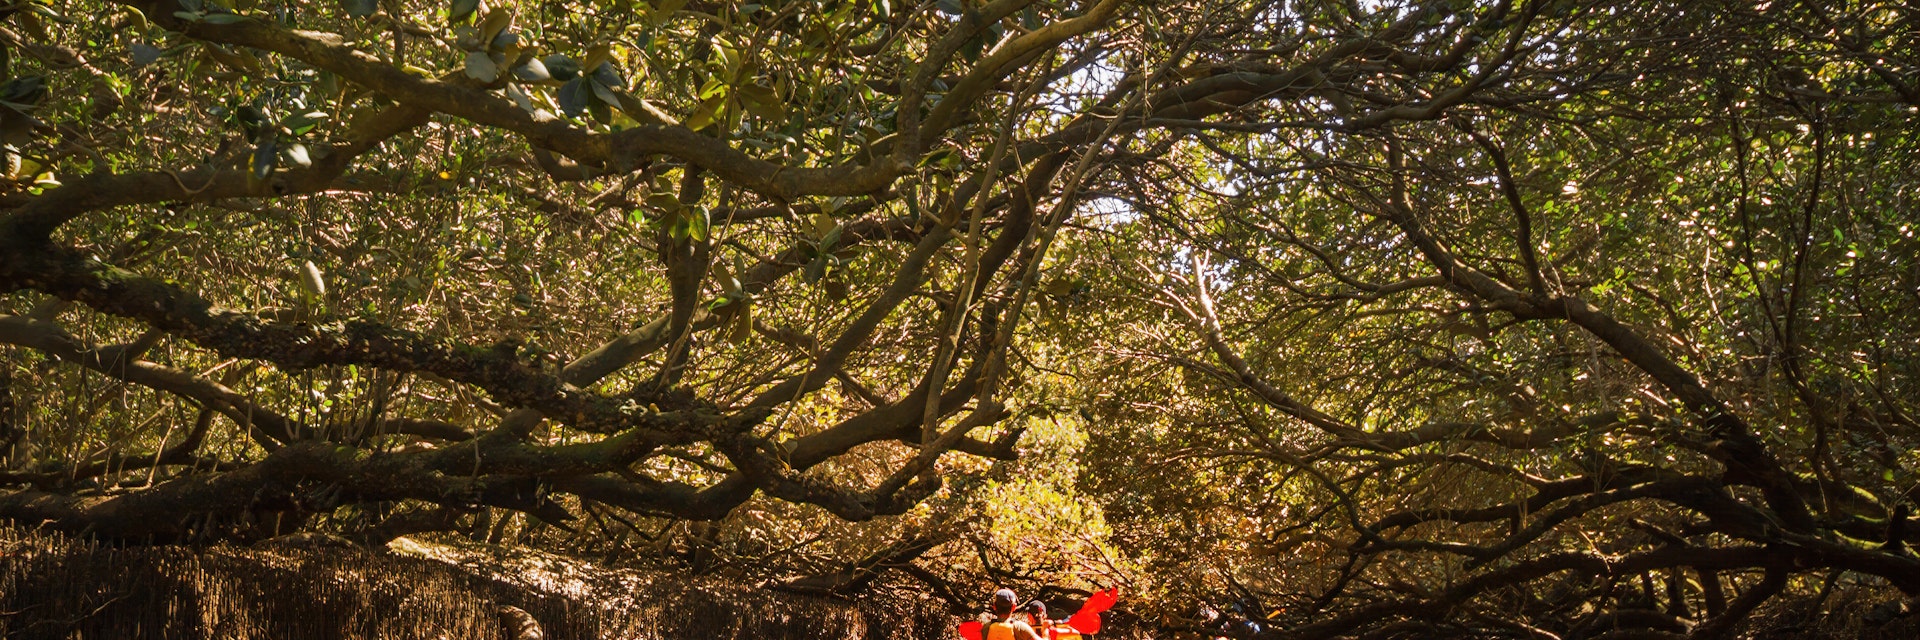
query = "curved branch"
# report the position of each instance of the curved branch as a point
(268, 428)
(298, 346)
(40, 216)
(620, 151)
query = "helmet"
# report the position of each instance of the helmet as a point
(1003, 601)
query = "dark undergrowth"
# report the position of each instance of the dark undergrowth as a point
(56, 588)
(60, 589)
(1862, 612)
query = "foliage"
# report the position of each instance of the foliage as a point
(1408, 317)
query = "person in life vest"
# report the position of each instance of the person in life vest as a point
(1001, 624)
(1048, 628)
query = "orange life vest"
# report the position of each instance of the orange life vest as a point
(1061, 631)
(999, 630)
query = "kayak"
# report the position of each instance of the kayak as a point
(1084, 622)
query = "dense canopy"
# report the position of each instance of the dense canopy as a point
(1539, 318)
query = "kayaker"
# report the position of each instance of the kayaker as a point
(1048, 628)
(1001, 624)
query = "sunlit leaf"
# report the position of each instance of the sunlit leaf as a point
(296, 154)
(312, 284)
(496, 21)
(520, 98)
(698, 221)
(704, 115)
(303, 123)
(480, 66)
(532, 71)
(265, 156)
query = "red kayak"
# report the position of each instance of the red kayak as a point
(1084, 622)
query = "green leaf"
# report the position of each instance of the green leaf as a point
(251, 119)
(521, 98)
(24, 90)
(713, 87)
(301, 124)
(705, 114)
(762, 101)
(972, 49)
(461, 10)
(605, 94)
(678, 232)
(610, 77)
(480, 66)
(600, 110)
(950, 7)
(505, 41)
(265, 155)
(698, 224)
(145, 54)
(729, 282)
(43, 182)
(665, 202)
(532, 71)
(296, 154)
(561, 67)
(742, 326)
(495, 22)
(360, 8)
(730, 59)
(831, 239)
(573, 97)
(312, 285)
(665, 10)
(941, 157)
(467, 38)
(815, 270)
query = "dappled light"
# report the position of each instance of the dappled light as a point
(1295, 319)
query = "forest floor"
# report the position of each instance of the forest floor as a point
(57, 589)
